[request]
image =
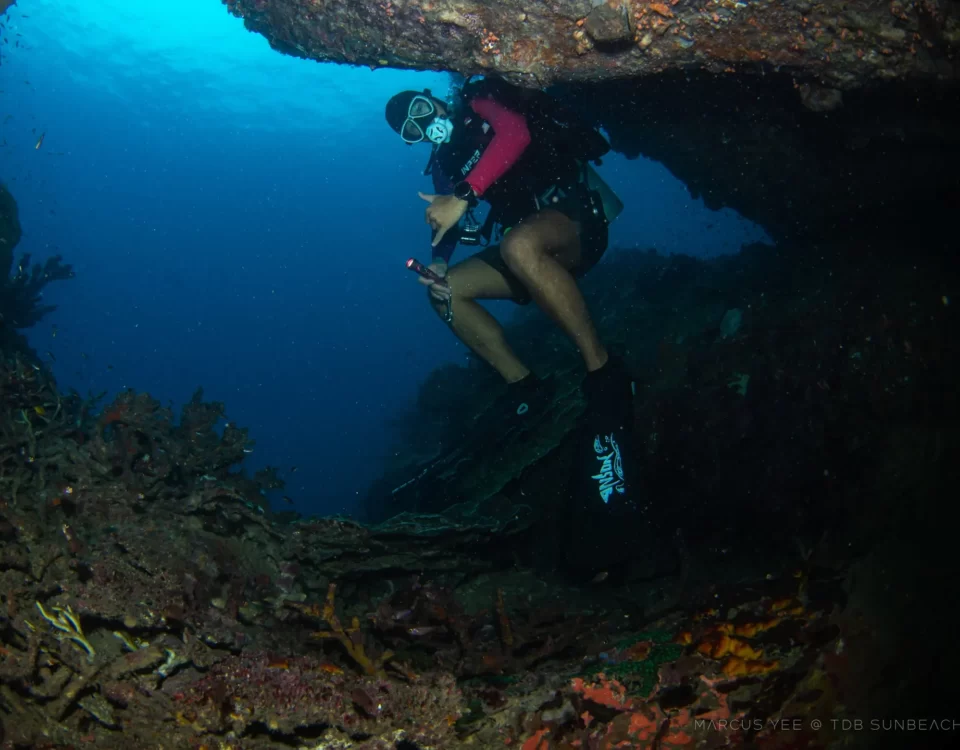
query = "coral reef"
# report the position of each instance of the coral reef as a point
(788, 578)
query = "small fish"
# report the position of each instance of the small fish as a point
(40, 410)
(287, 500)
(40, 142)
(84, 355)
(423, 630)
(109, 367)
(53, 331)
(52, 358)
(293, 469)
(600, 577)
(248, 450)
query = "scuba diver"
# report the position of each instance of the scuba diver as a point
(502, 145)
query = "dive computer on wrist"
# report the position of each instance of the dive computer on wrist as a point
(464, 192)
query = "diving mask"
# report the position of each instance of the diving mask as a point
(423, 123)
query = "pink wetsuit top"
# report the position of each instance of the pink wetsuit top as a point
(510, 137)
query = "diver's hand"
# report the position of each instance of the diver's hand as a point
(443, 213)
(440, 292)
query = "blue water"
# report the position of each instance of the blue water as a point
(238, 220)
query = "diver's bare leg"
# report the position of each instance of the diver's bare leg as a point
(539, 251)
(476, 327)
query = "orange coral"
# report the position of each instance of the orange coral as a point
(330, 668)
(650, 725)
(719, 645)
(642, 724)
(538, 741)
(608, 693)
(638, 651)
(350, 637)
(736, 666)
(786, 606)
(750, 629)
(661, 9)
(744, 659)
(643, 727)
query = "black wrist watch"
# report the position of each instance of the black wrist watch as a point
(464, 192)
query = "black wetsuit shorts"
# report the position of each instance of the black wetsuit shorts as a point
(593, 244)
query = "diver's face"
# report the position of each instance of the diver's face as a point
(422, 113)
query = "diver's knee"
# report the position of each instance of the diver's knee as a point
(519, 249)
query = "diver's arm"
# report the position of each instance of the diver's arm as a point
(448, 243)
(444, 249)
(511, 137)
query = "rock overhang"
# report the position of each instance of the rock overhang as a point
(804, 117)
(842, 45)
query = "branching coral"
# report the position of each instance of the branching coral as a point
(20, 300)
(66, 621)
(21, 285)
(349, 637)
(139, 439)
